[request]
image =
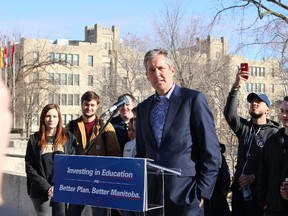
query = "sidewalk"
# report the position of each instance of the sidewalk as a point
(14, 186)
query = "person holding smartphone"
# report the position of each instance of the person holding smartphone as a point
(272, 187)
(252, 135)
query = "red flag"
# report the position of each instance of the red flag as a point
(5, 54)
(1, 54)
(13, 51)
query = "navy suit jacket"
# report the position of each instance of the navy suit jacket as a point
(189, 142)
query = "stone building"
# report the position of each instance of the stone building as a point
(61, 70)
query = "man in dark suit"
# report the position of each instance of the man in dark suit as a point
(175, 128)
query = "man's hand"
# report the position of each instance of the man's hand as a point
(246, 180)
(50, 192)
(201, 202)
(241, 76)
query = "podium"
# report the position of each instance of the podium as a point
(159, 172)
(109, 182)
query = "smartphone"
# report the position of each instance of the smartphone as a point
(244, 67)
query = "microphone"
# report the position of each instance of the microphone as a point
(124, 100)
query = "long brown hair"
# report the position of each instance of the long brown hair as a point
(60, 136)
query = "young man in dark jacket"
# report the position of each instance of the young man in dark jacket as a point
(251, 134)
(86, 130)
(274, 170)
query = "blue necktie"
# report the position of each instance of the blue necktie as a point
(158, 116)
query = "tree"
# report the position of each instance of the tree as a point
(199, 65)
(263, 26)
(127, 69)
(32, 66)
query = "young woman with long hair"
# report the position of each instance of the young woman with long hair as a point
(51, 139)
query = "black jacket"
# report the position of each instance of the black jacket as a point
(273, 171)
(244, 129)
(37, 184)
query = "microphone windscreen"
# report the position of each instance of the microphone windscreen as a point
(127, 99)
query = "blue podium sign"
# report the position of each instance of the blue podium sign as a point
(109, 182)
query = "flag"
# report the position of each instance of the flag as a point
(5, 53)
(13, 50)
(1, 54)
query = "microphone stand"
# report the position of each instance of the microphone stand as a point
(101, 130)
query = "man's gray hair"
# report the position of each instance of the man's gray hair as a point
(154, 53)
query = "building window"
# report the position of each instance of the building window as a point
(51, 57)
(262, 71)
(259, 71)
(69, 59)
(253, 87)
(51, 77)
(63, 80)
(262, 87)
(90, 60)
(64, 99)
(76, 99)
(57, 58)
(63, 58)
(272, 72)
(105, 72)
(36, 56)
(76, 78)
(64, 122)
(50, 98)
(107, 46)
(70, 99)
(70, 79)
(248, 87)
(69, 117)
(57, 99)
(75, 60)
(35, 120)
(57, 78)
(253, 71)
(90, 80)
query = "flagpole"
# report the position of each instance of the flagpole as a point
(14, 81)
(5, 60)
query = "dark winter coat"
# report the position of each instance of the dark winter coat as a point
(247, 164)
(37, 184)
(273, 171)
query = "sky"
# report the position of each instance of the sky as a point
(67, 18)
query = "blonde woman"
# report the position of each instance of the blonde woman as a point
(42, 146)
